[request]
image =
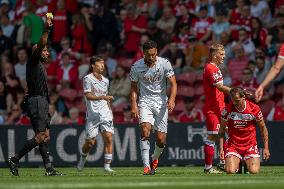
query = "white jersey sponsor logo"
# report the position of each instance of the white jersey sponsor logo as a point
(152, 82)
(240, 116)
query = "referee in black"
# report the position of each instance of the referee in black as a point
(37, 101)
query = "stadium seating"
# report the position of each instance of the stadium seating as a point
(187, 78)
(184, 91)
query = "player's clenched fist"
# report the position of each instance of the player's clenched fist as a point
(171, 105)
(108, 98)
(258, 93)
(134, 112)
(49, 18)
(266, 154)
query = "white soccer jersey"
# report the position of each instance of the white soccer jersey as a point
(152, 82)
(97, 109)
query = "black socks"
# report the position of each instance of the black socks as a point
(29, 145)
(44, 152)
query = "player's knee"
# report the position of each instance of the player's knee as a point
(47, 139)
(254, 170)
(91, 142)
(160, 143)
(40, 137)
(230, 170)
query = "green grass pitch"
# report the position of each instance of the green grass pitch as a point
(131, 177)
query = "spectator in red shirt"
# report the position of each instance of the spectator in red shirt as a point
(277, 112)
(62, 22)
(258, 33)
(80, 35)
(236, 12)
(243, 21)
(67, 73)
(184, 17)
(181, 37)
(202, 27)
(134, 26)
(190, 113)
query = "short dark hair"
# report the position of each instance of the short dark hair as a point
(237, 91)
(95, 59)
(149, 45)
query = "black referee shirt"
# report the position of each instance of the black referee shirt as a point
(36, 76)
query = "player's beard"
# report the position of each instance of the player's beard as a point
(43, 59)
(149, 62)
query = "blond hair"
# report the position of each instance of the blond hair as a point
(215, 47)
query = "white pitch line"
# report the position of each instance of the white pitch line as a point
(135, 185)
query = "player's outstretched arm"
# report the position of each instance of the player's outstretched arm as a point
(264, 135)
(222, 131)
(44, 38)
(133, 99)
(173, 93)
(273, 72)
(223, 88)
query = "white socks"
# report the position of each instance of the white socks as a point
(108, 158)
(157, 152)
(145, 147)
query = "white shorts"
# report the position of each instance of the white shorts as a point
(93, 126)
(157, 116)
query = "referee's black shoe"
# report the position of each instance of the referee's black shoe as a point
(13, 167)
(52, 172)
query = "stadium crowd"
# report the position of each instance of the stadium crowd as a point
(252, 32)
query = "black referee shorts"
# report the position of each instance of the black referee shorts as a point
(37, 110)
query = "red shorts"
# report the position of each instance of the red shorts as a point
(212, 123)
(242, 153)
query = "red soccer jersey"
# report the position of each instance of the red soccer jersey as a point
(281, 52)
(214, 99)
(241, 124)
(60, 23)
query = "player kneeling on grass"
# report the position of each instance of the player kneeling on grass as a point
(99, 116)
(241, 117)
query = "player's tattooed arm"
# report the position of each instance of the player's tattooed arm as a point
(223, 88)
(222, 131)
(133, 99)
(173, 93)
(264, 135)
(91, 96)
